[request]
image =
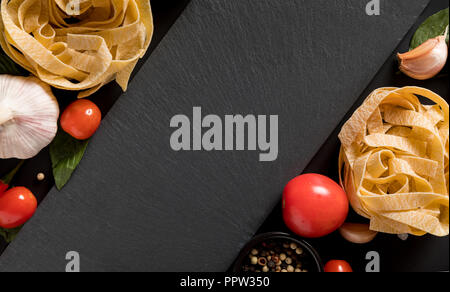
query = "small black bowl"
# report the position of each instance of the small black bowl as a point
(315, 261)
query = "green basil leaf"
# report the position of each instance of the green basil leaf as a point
(7, 66)
(9, 234)
(66, 153)
(434, 26)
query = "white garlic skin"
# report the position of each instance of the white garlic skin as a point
(28, 116)
(426, 61)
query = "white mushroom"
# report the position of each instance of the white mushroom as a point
(28, 116)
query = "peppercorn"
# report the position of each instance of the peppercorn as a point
(275, 256)
(284, 271)
(288, 261)
(298, 270)
(403, 237)
(40, 176)
(262, 261)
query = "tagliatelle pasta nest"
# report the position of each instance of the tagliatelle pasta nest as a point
(77, 45)
(394, 161)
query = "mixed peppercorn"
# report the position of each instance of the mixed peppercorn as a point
(276, 256)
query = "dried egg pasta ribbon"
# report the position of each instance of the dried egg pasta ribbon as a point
(394, 161)
(101, 43)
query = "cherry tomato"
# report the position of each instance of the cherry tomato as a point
(314, 205)
(17, 206)
(81, 119)
(3, 187)
(337, 266)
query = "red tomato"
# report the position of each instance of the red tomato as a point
(336, 266)
(314, 205)
(17, 206)
(3, 187)
(81, 119)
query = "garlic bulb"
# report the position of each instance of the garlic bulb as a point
(28, 116)
(425, 61)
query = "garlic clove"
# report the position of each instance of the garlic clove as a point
(357, 233)
(28, 116)
(425, 61)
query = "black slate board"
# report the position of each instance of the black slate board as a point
(135, 205)
(417, 254)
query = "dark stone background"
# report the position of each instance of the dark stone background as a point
(136, 205)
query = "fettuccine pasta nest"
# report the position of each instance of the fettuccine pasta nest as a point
(77, 45)
(394, 161)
